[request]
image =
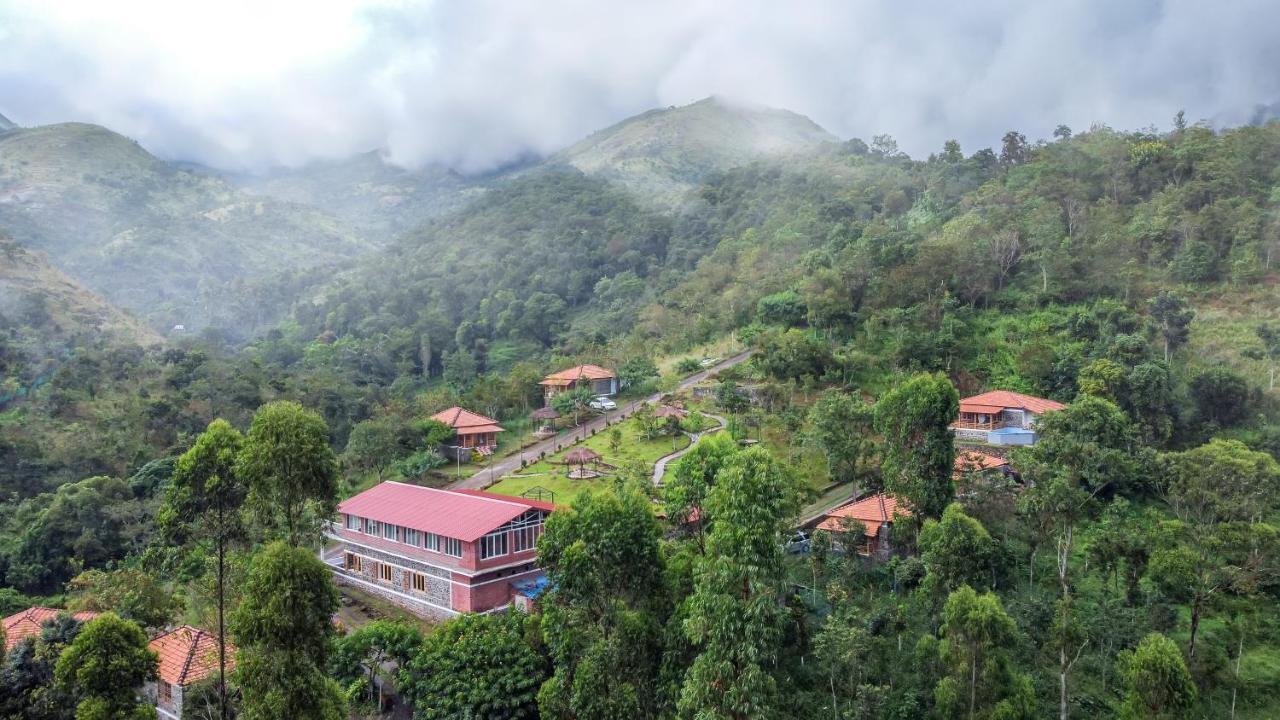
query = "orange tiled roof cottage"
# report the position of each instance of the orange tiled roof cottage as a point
(471, 431)
(876, 513)
(186, 655)
(602, 381)
(1001, 417)
(27, 623)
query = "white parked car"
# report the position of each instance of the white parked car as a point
(604, 403)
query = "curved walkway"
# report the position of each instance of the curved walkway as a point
(660, 465)
(511, 462)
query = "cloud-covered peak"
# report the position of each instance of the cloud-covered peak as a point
(476, 85)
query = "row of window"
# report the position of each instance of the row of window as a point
(385, 572)
(408, 536)
(520, 534)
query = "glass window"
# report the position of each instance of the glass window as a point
(370, 527)
(389, 531)
(452, 546)
(353, 522)
(384, 572)
(431, 541)
(493, 544)
(411, 537)
(419, 582)
(525, 538)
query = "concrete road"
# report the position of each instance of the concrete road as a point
(511, 463)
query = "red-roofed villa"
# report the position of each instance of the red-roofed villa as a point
(472, 432)
(877, 514)
(186, 655)
(1001, 417)
(602, 381)
(27, 623)
(438, 552)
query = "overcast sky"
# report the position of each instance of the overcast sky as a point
(474, 84)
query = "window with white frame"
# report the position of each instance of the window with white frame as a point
(389, 531)
(525, 530)
(431, 541)
(411, 537)
(370, 527)
(452, 546)
(493, 544)
(353, 522)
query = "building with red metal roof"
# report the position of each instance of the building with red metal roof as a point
(27, 623)
(438, 552)
(602, 381)
(185, 655)
(1001, 417)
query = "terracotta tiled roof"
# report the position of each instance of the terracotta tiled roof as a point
(872, 512)
(970, 460)
(581, 372)
(463, 515)
(188, 655)
(988, 402)
(466, 422)
(27, 623)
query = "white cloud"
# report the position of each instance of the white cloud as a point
(477, 84)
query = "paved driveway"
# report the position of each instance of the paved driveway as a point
(511, 463)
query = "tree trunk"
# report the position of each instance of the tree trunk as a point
(973, 684)
(1236, 688)
(1062, 682)
(1195, 626)
(222, 603)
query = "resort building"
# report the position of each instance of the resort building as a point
(602, 381)
(876, 513)
(438, 552)
(186, 656)
(27, 623)
(472, 433)
(1001, 417)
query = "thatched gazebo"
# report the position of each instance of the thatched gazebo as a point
(546, 415)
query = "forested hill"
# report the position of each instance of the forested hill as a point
(174, 246)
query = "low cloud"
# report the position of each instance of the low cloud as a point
(475, 85)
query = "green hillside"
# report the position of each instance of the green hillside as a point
(174, 246)
(379, 200)
(662, 153)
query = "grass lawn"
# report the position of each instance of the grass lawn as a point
(632, 449)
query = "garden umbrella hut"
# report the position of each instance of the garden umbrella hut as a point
(580, 456)
(545, 416)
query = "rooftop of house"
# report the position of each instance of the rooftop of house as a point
(973, 460)
(27, 623)
(188, 655)
(872, 512)
(466, 515)
(993, 402)
(574, 374)
(466, 422)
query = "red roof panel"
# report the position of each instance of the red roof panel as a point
(1007, 399)
(188, 655)
(27, 623)
(464, 515)
(467, 422)
(871, 511)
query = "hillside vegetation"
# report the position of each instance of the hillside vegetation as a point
(174, 246)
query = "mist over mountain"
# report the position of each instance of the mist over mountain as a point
(175, 246)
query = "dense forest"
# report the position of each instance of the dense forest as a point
(1129, 569)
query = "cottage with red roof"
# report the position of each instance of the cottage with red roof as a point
(186, 655)
(877, 514)
(602, 381)
(1001, 417)
(438, 552)
(472, 432)
(27, 624)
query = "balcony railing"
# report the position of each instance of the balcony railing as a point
(973, 425)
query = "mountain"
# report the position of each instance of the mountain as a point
(175, 246)
(33, 291)
(662, 153)
(376, 198)
(6, 124)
